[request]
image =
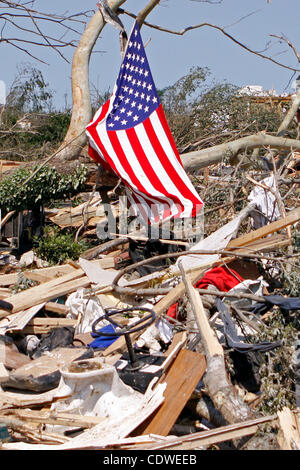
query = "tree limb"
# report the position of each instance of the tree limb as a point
(145, 11)
(220, 29)
(203, 158)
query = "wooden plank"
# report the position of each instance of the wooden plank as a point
(8, 279)
(212, 436)
(212, 345)
(46, 274)
(290, 219)
(18, 321)
(45, 325)
(289, 431)
(50, 272)
(47, 291)
(182, 378)
(4, 292)
(178, 291)
(56, 418)
(17, 399)
(56, 308)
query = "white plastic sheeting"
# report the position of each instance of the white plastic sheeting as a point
(265, 202)
(85, 308)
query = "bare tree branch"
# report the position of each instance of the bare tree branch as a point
(218, 28)
(23, 19)
(145, 11)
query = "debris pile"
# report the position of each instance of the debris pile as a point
(160, 343)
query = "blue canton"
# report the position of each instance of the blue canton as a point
(136, 96)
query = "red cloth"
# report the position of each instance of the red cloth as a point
(223, 278)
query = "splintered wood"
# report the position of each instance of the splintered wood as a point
(289, 430)
(181, 379)
(32, 381)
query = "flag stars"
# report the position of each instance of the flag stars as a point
(136, 97)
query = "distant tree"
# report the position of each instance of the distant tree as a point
(202, 112)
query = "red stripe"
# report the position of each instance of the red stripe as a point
(103, 113)
(148, 169)
(95, 156)
(144, 162)
(110, 162)
(164, 123)
(129, 170)
(168, 166)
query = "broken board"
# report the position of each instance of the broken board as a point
(181, 379)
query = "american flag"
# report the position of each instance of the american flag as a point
(129, 136)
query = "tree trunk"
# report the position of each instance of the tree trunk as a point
(82, 109)
(203, 158)
(216, 380)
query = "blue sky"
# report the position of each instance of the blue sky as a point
(170, 56)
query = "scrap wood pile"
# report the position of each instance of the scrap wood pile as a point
(163, 344)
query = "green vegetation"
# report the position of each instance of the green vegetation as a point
(277, 369)
(57, 247)
(202, 112)
(46, 186)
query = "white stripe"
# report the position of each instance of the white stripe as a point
(138, 170)
(152, 157)
(96, 148)
(102, 132)
(159, 130)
